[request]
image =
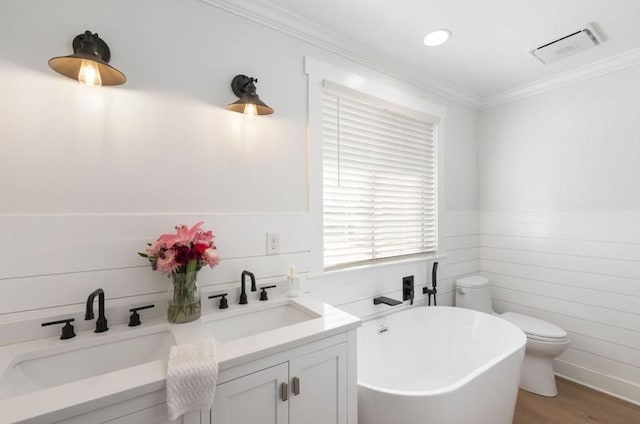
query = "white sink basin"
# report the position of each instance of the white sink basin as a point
(52, 367)
(249, 322)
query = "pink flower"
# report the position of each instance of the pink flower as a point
(185, 236)
(166, 263)
(211, 257)
(173, 251)
(204, 237)
(155, 248)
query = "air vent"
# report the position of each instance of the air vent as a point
(568, 45)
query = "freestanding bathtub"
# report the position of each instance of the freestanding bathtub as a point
(438, 365)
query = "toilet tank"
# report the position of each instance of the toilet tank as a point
(474, 293)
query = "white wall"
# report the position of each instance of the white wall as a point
(560, 211)
(90, 176)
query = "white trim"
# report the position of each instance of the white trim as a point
(403, 104)
(286, 22)
(610, 385)
(419, 257)
(314, 149)
(597, 69)
(334, 75)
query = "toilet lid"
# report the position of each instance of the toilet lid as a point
(534, 326)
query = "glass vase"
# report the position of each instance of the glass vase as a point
(185, 304)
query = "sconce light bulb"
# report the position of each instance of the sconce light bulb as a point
(250, 110)
(89, 74)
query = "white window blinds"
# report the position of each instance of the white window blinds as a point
(379, 180)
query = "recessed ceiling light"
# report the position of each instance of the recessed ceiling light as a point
(437, 37)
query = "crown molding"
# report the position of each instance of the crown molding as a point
(603, 67)
(294, 25)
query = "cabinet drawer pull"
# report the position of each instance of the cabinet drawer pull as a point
(296, 386)
(284, 391)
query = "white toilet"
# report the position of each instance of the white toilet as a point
(545, 341)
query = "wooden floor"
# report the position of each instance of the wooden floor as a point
(575, 404)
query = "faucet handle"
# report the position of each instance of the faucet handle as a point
(224, 304)
(67, 330)
(263, 293)
(408, 290)
(134, 319)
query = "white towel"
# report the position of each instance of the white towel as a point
(192, 373)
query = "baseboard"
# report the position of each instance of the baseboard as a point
(621, 389)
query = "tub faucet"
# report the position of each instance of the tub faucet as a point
(101, 322)
(243, 291)
(433, 290)
(386, 300)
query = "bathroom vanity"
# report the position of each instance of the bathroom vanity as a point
(281, 361)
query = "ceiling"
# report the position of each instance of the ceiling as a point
(488, 52)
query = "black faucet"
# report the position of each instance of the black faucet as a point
(101, 322)
(433, 290)
(386, 300)
(243, 292)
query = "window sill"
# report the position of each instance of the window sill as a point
(356, 268)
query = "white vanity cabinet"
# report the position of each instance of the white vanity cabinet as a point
(308, 389)
(314, 383)
(290, 361)
(147, 409)
(155, 415)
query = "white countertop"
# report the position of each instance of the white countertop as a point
(51, 404)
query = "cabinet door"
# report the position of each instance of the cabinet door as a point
(319, 387)
(252, 399)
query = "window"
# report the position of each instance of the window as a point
(379, 179)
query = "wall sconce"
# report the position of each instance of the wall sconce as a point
(89, 63)
(248, 103)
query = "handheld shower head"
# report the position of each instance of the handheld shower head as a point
(434, 273)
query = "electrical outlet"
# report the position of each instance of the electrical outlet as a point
(273, 243)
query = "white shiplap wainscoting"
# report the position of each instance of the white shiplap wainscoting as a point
(353, 290)
(52, 262)
(580, 271)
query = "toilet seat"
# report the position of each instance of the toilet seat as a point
(537, 329)
(549, 340)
